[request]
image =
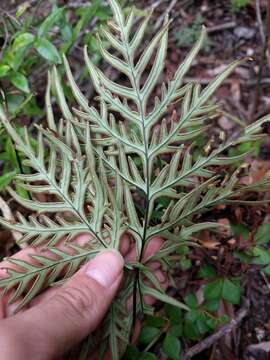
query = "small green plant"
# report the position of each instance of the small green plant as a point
(239, 4)
(188, 35)
(258, 252)
(31, 44)
(112, 168)
(11, 162)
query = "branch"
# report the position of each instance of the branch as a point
(161, 18)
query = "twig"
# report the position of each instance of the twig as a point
(6, 39)
(259, 20)
(221, 27)
(261, 29)
(212, 339)
(235, 119)
(75, 5)
(168, 10)
(265, 280)
(154, 5)
(254, 105)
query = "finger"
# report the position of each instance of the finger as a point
(152, 248)
(54, 326)
(163, 280)
(154, 265)
(125, 243)
(21, 255)
(131, 255)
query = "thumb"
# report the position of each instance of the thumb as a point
(52, 327)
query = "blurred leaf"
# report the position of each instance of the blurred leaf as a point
(191, 301)
(211, 305)
(49, 22)
(23, 40)
(239, 4)
(19, 81)
(240, 229)
(192, 315)
(231, 292)
(21, 191)
(48, 51)
(147, 356)
(31, 108)
(191, 331)
(103, 13)
(211, 323)
(266, 270)
(224, 319)
(245, 258)
(155, 321)
(207, 272)
(185, 264)
(148, 333)
(22, 8)
(174, 313)
(4, 69)
(261, 256)
(202, 325)
(183, 249)
(10, 150)
(132, 353)
(14, 102)
(172, 347)
(176, 330)
(6, 179)
(213, 290)
(262, 235)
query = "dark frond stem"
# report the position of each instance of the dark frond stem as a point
(134, 297)
(147, 175)
(136, 289)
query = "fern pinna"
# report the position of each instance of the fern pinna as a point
(104, 171)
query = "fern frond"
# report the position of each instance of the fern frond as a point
(94, 164)
(118, 324)
(27, 279)
(43, 230)
(71, 167)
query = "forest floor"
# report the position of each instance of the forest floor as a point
(231, 35)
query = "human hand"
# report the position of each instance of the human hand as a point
(60, 318)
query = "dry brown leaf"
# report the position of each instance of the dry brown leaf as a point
(257, 170)
(208, 242)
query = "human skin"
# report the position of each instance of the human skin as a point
(60, 318)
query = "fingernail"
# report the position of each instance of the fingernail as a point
(106, 267)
